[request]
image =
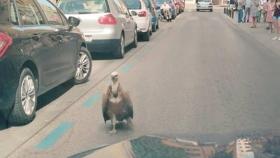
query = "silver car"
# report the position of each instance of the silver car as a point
(204, 5)
(142, 17)
(107, 25)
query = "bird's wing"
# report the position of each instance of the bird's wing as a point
(105, 102)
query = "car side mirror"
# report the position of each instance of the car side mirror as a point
(133, 13)
(73, 22)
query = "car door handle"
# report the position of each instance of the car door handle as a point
(59, 38)
(36, 37)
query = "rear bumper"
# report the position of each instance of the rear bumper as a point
(8, 84)
(103, 46)
(204, 7)
(142, 24)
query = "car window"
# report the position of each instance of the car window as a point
(133, 4)
(3, 11)
(13, 15)
(120, 7)
(161, 1)
(124, 7)
(51, 12)
(29, 13)
(83, 6)
(148, 4)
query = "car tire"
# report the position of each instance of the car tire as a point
(211, 10)
(121, 48)
(83, 66)
(146, 36)
(24, 109)
(157, 26)
(135, 41)
(154, 28)
(197, 10)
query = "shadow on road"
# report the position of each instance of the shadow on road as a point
(108, 56)
(43, 100)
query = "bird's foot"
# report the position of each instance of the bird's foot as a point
(113, 131)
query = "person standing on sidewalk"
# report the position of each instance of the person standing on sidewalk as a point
(247, 10)
(253, 12)
(269, 8)
(276, 17)
(240, 10)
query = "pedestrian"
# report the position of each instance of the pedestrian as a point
(247, 10)
(253, 12)
(240, 10)
(261, 14)
(276, 17)
(269, 9)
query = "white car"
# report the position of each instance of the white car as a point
(107, 25)
(141, 16)
(204, 5)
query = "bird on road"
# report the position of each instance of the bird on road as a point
(116, 103)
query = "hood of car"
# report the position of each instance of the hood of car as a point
(164, 147)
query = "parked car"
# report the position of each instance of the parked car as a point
(153, 13)
(204, 5)
(106, 24)
(171, 4)
(142, 17)
(39, 50)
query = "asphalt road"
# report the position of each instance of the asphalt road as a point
(200, 77)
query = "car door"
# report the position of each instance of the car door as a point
(66, 43)
(130, 22)
(36, 41)
(125, 20)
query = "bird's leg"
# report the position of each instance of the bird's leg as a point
(113, 120)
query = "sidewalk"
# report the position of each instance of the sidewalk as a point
(260, 34)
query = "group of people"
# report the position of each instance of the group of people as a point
(255, 11)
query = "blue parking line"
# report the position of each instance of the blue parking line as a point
(54, 136)
(92, 100)
(125, 68)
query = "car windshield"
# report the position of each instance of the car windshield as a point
(162, 1)
(203, 0)
(133, 4)
(3, 11)
(83, 6)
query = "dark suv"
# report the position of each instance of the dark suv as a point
(39, 49)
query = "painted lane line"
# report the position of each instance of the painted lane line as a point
(92, 100)
(126, 68)
(54, 136)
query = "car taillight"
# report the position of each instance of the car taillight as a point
(108, 19)
(5, 42)
(142, 13)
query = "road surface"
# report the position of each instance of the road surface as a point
(199, 77)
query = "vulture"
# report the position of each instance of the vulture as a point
(116, 103)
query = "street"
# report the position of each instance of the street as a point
(199, 77)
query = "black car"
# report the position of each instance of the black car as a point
(39, 50)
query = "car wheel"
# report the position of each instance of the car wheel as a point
(146, 36)
(197, 10)
(83, 66)
(211, 10)
(154, 28)
(135, 42)
(121, 49)
(24, 108)
(157, 26)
